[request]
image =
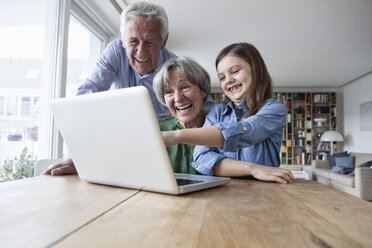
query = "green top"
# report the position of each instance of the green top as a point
(181, 155)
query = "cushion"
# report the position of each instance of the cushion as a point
(367, 164)
(331, 158)
(342, 170)
(347, 162)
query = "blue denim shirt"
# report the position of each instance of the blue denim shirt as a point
(113, 71)
(255, 139)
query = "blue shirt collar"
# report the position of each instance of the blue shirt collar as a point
(231, 106)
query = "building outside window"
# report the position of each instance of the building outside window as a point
(31, 38)
(22, 26)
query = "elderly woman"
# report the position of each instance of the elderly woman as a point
(183, 86)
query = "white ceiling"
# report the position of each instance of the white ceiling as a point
(305, 43)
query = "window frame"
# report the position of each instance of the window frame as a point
(53, 82)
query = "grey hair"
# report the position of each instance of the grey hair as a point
(193, 72)
(148, 11)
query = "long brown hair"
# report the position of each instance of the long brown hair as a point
(261, 88)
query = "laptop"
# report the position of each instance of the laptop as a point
(114, 139)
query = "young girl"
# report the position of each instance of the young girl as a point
(243, 136)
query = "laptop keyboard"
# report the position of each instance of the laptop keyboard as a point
(181, 181)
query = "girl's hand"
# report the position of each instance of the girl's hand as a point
(266, 173)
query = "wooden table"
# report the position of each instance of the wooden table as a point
(66, 212)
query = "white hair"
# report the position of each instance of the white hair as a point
(148, 11)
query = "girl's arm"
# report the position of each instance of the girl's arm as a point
(206, 136)
(234, 168)
(231, 136)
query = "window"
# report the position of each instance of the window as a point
(84, 50)
(2, 105)
(22, 24)
(38, 68)
(26, 106)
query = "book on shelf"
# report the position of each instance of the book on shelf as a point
(289, 105)
(320, 110)
(309, 99)
(300, 158)
(299, 142)
(333, 99)
(299, 123)
(320, 156)
(284, 160)
(308, 159)
(334, 124)
(321, 98)
(323, 146)
(319, 145)
(283, 148)
(333, 111)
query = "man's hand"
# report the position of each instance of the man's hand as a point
(66, 167)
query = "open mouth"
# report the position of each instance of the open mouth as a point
(234, 88)
(141, 60)
(184, 107)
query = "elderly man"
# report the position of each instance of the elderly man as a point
(131, 61)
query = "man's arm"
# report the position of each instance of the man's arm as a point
(105, 71)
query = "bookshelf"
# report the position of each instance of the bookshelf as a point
(309, 115)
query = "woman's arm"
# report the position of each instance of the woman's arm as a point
(234, 168)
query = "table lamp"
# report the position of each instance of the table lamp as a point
(331, 136)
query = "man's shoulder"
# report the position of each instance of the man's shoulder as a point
(116, 43)
(116, 46)
(167, 54)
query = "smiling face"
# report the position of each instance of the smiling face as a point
(143, 42)
(183, 98)
(235, 76)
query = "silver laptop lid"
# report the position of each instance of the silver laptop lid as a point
(114, 139)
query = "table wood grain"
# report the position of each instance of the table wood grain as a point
(36, 212)
(244, 213)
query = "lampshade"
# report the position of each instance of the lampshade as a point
(330, 136)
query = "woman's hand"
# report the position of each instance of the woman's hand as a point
(266, 173)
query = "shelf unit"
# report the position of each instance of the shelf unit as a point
(217, 95)
(309, 115)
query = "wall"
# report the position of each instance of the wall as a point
(355, 93)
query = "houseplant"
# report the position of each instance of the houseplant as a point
(21, 167)
(299, 112)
